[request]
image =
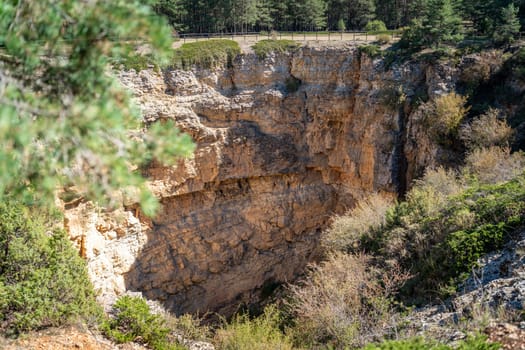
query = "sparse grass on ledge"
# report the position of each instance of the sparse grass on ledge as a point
(206, 54)
(264, 47)
(140, 62)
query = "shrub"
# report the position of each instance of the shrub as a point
(371, 51)
(292, 84)
(352, 231)
(344, 301)
(188, 327)
(206, 54)
(486, 131)
(383, 39)
(375, 26)
(475, 75)
(472, 343)
(134, 322)
(264, 47)
(515, 65)
(445, 113)
(442, 181)
(427, 197)
(409, 344)
(139, 62)
(469, 225)
(405, 236)
(494, 164)
(468, 246)
(43, 281)
(261, 333)
(392, 96)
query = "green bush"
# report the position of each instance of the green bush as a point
(135, 322)
(264, 47)
(43, 280)
(139, 62)
(375, 26)
(206, 54)
(472, 343)
(372, 51)
(469, 246)
(261, 333)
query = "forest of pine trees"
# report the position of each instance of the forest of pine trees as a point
(213, 16)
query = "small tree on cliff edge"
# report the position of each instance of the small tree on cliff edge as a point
(341, 26)
(442, 22)
(63, 119)
(509, 25)
(439, 24)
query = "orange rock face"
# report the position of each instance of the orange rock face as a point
(282, 144)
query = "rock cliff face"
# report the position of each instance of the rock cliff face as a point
(283, 143)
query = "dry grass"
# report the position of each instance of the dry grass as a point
(188, 327)
(347, 231)
(445, 113)
(486, 131)
(494, 164)
(429, 194)
(383, 39)
(443, 181)
(261, 333)
(345, 302)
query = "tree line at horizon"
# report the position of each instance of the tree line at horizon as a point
(214, 16)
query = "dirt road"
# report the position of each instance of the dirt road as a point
(335, 39)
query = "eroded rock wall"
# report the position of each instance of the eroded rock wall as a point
(282, 144)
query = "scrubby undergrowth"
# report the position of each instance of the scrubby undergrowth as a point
(43, 280)
(206, 54)
(264, 47)
(418, 251)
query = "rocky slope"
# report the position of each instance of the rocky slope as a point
(283, 143)
(490, 299)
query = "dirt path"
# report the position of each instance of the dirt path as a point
(319, 40)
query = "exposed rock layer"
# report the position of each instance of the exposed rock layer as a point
(282, 144)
